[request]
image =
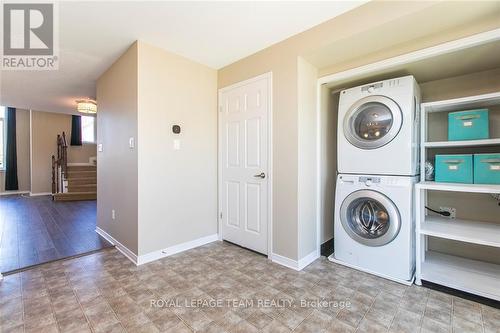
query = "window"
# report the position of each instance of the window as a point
(2, 137)
(88, 129)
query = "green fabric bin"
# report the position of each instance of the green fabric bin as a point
(468, 125)
(487, 168)
(454, 169)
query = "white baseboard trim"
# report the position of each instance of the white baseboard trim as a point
(122, 248)
(39, 194)
(297, 265)
(309, 259)
(149, 257)
(14, 192)
(152, 256)
(284, 261)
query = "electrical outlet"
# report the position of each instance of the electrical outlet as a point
(452, 210)
(113, 215)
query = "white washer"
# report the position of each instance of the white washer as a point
(374, 225)
(378, 128)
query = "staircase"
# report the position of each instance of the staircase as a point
(71, 182)
(80, 184)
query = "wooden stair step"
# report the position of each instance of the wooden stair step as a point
(82, 188)
(81, 174)
(81, 168)
(75, 196)
(81, 181)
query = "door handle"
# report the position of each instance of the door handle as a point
(260, 175)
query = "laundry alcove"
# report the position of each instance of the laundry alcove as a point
(466, 67)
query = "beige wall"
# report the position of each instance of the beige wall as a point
(465, 85)
(45, 127)
(161, 196)
(307, 77)
(117, 163)
(177, 188)
(444, 21)
(23, 151)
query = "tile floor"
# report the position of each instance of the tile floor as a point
(235, 290)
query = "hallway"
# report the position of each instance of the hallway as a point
(35, 230)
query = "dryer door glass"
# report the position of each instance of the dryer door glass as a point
(370, 218)
(372, 122)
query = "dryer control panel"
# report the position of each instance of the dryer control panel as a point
(372, 87)
(369, 180)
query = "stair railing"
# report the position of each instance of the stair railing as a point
(60, 164)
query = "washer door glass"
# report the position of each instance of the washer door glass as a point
(372, 122)
(370, 218)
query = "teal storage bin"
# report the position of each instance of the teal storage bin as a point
(468, 125)
(487, 168)
(454, 169)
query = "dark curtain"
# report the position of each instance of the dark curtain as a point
(76, 131)
(11, 183)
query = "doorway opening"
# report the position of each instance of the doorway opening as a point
(48, 188)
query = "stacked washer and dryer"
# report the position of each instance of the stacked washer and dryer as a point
(378, 164)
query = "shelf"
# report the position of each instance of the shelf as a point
(462, 230)
(472, 276)
(456, 187)
(463, 103)
(468, 275)
(465, 143)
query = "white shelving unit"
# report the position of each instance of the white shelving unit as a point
(473, 276)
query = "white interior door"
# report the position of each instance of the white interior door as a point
(244, 147)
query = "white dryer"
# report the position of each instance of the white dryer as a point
(378, 128)
(374, 225)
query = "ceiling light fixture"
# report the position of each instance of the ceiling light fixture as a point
(86, 106)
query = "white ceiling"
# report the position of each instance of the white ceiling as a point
(94, 34)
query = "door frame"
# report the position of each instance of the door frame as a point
(269, 76)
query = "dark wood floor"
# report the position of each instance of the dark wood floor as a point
(35, 230)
